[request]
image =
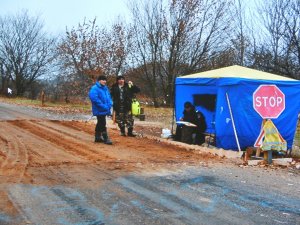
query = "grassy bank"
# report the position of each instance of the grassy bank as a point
(152, 114)
(52, 106)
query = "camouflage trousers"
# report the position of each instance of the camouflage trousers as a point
(124, 120)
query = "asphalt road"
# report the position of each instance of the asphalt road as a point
(200, 191)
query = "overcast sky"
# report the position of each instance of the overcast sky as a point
(57, 14)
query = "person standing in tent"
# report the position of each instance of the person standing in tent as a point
(191, 135)
(101, 105)
(122, 94)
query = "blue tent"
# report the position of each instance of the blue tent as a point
(208, 90)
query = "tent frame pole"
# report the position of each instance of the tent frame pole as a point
(173, 113)
(233, 124)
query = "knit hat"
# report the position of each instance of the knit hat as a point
(120, 77)
(102, 77)
(188, 105)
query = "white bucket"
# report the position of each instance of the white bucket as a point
(166, 133)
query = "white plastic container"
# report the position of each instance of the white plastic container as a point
(166, 133)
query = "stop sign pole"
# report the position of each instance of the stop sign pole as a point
(268, 101)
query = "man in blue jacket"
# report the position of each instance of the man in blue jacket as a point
(101, 105)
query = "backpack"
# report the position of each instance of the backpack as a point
(135, 107)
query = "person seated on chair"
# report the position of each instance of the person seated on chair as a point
(191, 135)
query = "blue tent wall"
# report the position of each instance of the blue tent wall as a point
(247, 120)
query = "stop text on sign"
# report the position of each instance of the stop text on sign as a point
(268, 101)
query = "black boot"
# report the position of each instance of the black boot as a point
(130, 132)
(122, 129)
(106, 139)
(98, 136)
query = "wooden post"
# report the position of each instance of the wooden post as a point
(268, 156)
(142, 117)
(43, 97)
(141, 110)
(258, 151)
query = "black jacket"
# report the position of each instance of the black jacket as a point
(197, 118)
(129, 94)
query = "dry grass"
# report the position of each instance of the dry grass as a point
(162, 115)
(51, 106)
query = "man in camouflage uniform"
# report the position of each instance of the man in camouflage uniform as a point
(122, 94)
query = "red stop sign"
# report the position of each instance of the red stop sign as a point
(268, 101)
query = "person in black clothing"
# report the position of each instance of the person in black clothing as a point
(122, 94)
(195, 134)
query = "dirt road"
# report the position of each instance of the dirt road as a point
(51, 172)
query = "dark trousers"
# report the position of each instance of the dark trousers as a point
(185, 134)
(101, 124)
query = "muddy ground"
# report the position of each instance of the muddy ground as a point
(40, 152)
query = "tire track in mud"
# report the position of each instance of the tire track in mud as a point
(81, 152)
(75, 125)
(40, 153)
(115, 156)
(73, 140)
(175, 199)
(151, 194)
(20, 137)
(144, 150)
(68, 142)
(57, 205)
(63, 138)
(120, 152)
(62, 128)
(16, 154)
(181, 200)
(63, 198)
(13, 167)
(51, 162)
(112, 204)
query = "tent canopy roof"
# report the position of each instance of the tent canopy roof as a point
(238, 72)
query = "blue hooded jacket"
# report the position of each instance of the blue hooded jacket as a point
(101, 100)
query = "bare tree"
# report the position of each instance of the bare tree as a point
(25, 50)
(291, 35)
(117, 45)
(195, 34)
(279, 52)
(79, 57)
(274, 24)
(240, 40)
(148, 34)
(174, 38)
(88, 51)
(4, 77)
